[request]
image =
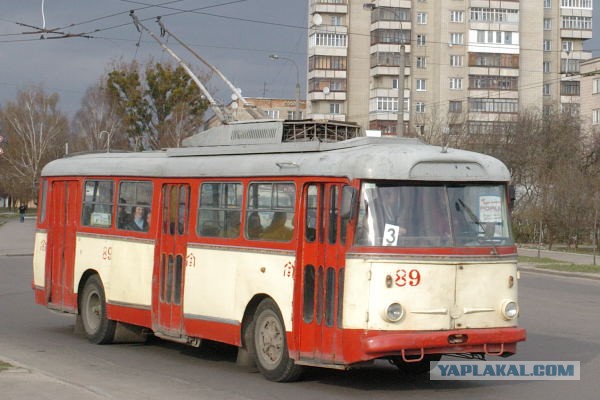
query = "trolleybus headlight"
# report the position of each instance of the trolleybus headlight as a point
(394, 312)
(510, 309)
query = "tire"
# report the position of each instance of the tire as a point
(267, 344)
(416, 368)
(92, 307)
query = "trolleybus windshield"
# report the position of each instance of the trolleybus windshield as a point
(431, 215)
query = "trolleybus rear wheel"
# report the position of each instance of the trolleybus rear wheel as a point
(268, 344)
(98, 328)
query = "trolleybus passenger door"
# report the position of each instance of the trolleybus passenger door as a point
(65, 199)
(321, 273)
(169, 270)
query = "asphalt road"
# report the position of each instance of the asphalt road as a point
(585, 259)
(561, 315)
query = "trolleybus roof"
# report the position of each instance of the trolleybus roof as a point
(361, 157)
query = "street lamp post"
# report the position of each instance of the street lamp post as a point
(108, 135)
(402, 64)
(277, 57)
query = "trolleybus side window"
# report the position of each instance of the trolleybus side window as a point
(270, 211)
(134, 205)
(219, 212)
(43, 199)
(311, 214)
(97, 208)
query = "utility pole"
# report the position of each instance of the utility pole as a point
(400, 122)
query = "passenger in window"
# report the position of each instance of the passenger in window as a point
(148, 219)
(138, 222)
(277, 230)
(254, 227)
(233, 224)
(123, 217)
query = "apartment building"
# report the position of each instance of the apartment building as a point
(467, 64)
(590, 95)
(270, 107)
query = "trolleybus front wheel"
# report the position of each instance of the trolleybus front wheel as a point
(98, 328)
(268, 344)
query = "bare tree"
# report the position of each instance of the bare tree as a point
(36, 132)
(97, 124)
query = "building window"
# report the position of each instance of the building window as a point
(272, 114)
(391, 36)
(547, 24)
(328, 39)
(335, 108)
(596, 86)
(546, 89)
(570, 88)
(386, 104)
(494, 82)
(547, 45)
(596, 116)
(456, 83)
(567, 46)
(547, 3)
(457, 16)
(484, 105)
(421, 62)
(587, 4)
(576, 22)
(390, 14)
(546, 67)
(455, 106)
(336, 20)
(420, 107)
(421, 40)
(456, 61)
(421, 85)
(327, 63)
(291, 114)
(457, 38)
(494, 15)
(421, 18)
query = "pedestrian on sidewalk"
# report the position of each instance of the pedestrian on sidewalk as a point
(22, 209)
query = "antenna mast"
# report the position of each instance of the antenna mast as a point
(252, 109)
(213, 104)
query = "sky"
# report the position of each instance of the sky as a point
(237, 36)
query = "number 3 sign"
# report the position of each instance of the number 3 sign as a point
(390, 235)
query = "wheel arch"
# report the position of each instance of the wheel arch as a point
(249, 313)
(82, 281)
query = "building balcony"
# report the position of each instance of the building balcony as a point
(329, 117)
(327, 7)
(331, 96)
(576, 33)
(388, 71)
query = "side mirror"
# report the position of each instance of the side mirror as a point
(347, 206)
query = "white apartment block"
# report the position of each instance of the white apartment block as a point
(470, 64)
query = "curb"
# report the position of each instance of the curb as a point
(16, 254)
(536, 270)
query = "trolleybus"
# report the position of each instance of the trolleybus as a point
(301, 253)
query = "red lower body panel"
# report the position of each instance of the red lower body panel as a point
(360, 345)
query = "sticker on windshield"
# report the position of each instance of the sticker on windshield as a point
(390, 235)
(490, 209)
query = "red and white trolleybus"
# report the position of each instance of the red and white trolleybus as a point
(301, 253)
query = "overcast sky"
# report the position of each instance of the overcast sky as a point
(235, 35)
